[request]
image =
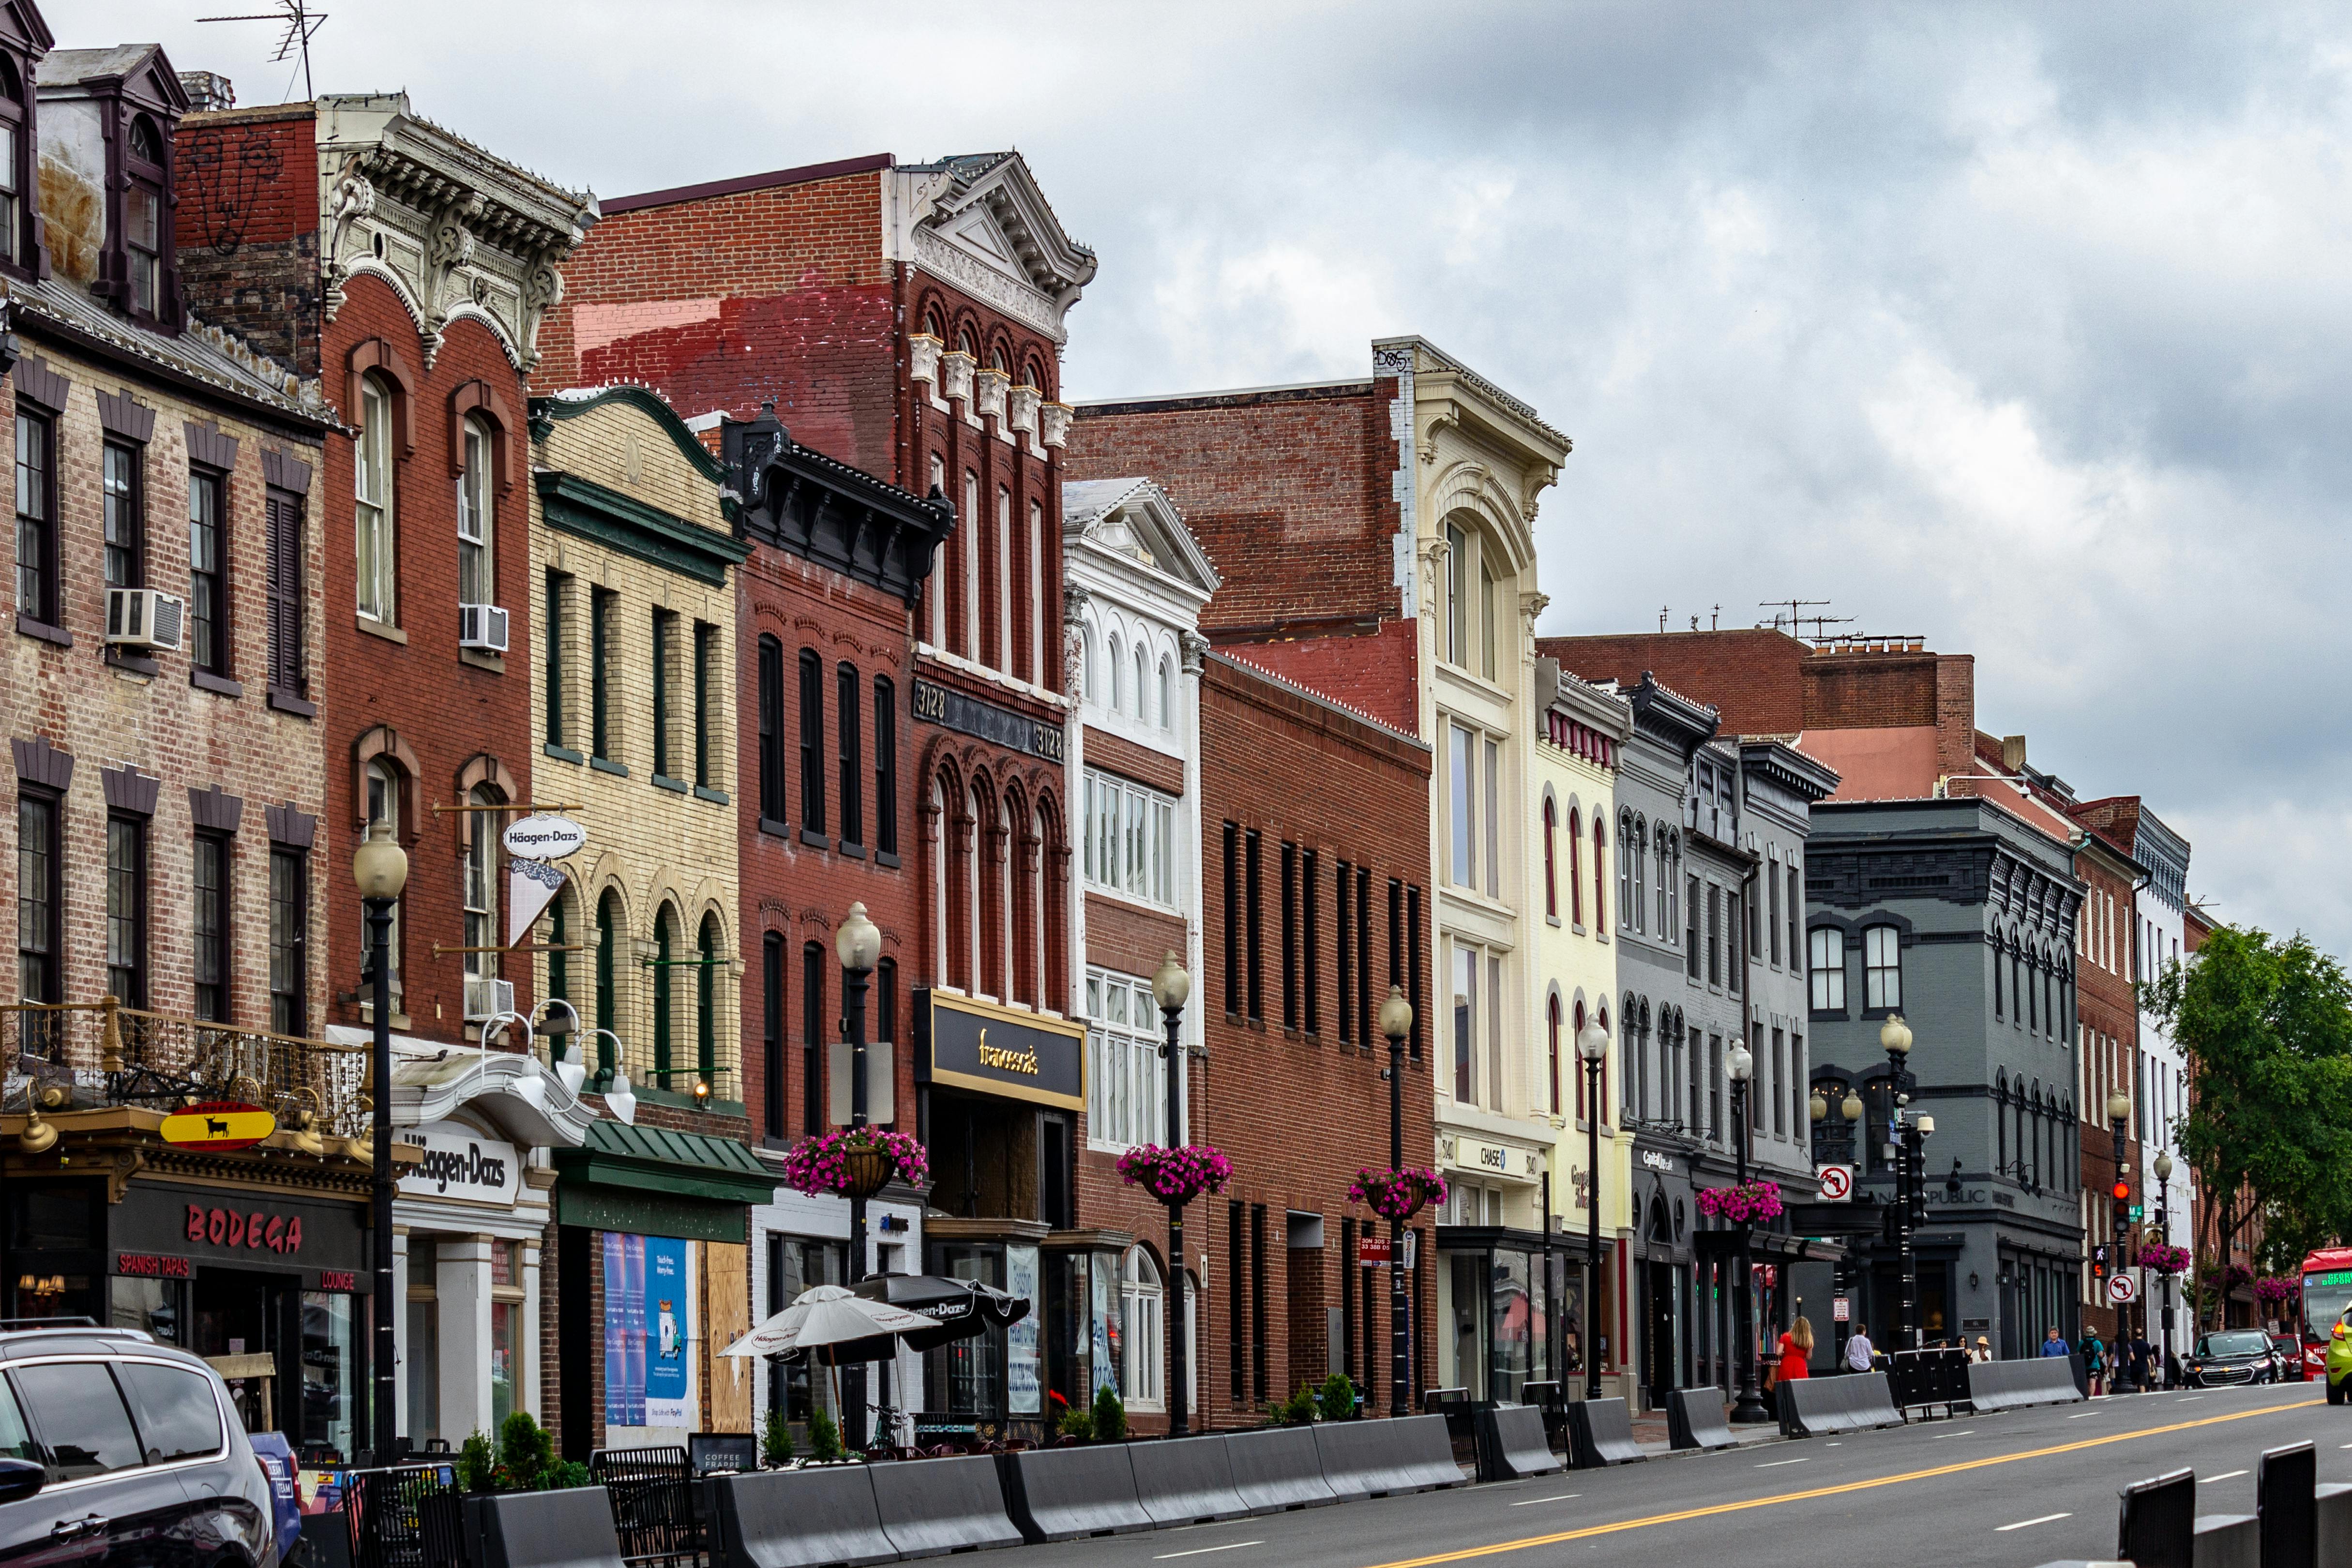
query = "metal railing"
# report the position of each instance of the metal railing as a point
(653, 1494)
(84, 1056)
(405, 1517)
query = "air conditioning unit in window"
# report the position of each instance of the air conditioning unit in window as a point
(144, 618)
(487, 999)
(482, 627)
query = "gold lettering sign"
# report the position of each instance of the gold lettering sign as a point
(1004, 1060)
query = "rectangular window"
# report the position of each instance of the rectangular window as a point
(1367, 1012)
(126, 533)
(288, 600)
(372, 516)
(1715, 1086)
(851, 741)
(1233, 921)
(813, 1039)
(37, 897)
(1691, 956)
(1258, 1336)
(1732, 915)
(1289, 935)
(1486, 621)
(771, 734)
(1493, 820)
(600, 675)
(1126, 1086)
(1461, 798)
(705, 637)
(886, 766)
(771, 1032)
(1714, 935)
(1795, 913)
(142, 235)
(556, 663)
(1457, 639)
(1413, 953)
(1237, 1316)
(811, 742)
(1827, 964)
(1494, 1016)
(1309, 943)
(477, 526)
(1466, 1023)
(208, 922)
(1773, 916)
(126, 910)
(1128, 839)
(9, 182)
(207, 568)
(1347, 959)
(289, 941)
(664, 621)
(1882, 965)
(1744, 911)
(37, 518)
(1255, 936)
(1780, 1076)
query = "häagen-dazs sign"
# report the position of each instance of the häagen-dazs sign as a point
(461, 1163)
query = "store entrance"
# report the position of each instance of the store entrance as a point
(245, 1323)
(1658, 1344)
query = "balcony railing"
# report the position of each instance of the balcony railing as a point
(84, 1056)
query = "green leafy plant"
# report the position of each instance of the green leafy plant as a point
(1078, 1424)
(478, 1464)
(1337, 1398)
(525, 1453)
(824, 1437)
(565, 1474)
(1298, 1410)
(776, 1439)
(1109, 1416)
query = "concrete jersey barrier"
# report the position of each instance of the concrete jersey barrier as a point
(1601, 1432)
(1695, 1419)
(2018, 1384)
(1853, 1402)
(2227, 1540)
(930, 1506)
(1385, 1458)
(1187, 1480)
(797, 1519)
(1513, 1443)
(568, 1528)
(1279, 1469)
(1062, 1494)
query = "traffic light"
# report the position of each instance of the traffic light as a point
(2123, 1192)
(2098, 1263)
(2123, 1206)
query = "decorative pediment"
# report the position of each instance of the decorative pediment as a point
(1135, 518)
(980, 224)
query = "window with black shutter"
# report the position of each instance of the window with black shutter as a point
(281, 519)
(811, 742)
(771, 734)
(813, 1039)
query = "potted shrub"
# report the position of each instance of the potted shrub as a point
(776, 1439)
(1338, 1399)
(1110, 1416)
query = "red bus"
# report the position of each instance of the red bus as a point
(2326, 1291)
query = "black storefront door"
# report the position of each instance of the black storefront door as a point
(240, 1313)
(1658, 1342)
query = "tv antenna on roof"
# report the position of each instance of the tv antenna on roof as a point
(1796, 618)
(301, 23)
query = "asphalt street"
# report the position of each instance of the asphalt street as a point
(2016, 1489)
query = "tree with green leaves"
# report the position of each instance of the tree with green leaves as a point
(2266, 1026)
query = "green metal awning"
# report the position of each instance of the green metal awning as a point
(673, 1164)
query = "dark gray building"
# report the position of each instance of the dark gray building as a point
(1902, 901)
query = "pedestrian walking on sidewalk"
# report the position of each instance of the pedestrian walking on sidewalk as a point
(2142, 1364)
(2094, 1362)
(1857, 1350)
(1983, 1351)
(2052, 1345)
(1797, 1351)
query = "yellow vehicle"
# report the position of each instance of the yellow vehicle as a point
(2340, 1359)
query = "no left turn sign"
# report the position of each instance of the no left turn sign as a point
(2121, 1287)
(1837, 1184)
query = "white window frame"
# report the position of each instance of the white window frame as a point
(1129, 841)
(1127, 1077)
(477, 517)
(479, 882)
(1882, 969)
(1143, 1313)
(1825, 950)
(373, 517)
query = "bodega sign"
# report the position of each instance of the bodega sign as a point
(460, 1163)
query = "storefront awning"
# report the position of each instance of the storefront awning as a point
(677, 1164)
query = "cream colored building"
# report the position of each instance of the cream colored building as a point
(1575, 735)
(634, 701)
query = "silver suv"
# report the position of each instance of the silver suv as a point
(118, 1451)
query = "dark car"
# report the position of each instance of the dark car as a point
(2229, 1359)
(2293, 1368)
(119, 1452)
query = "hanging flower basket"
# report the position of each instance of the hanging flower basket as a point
(1397, 1194)
(1742, 1204)
(2225, 1280)
(855, 1163)
(1176, 1177)
(2159, 1259)
(2275, 1290)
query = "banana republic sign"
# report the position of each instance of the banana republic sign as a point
(960, 1043)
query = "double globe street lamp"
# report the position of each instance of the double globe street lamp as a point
(1748, 1405)
(380, 867)
(1592, 1050)
(1172, 987)
(1396, 1023)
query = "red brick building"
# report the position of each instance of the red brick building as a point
(2107, 1009)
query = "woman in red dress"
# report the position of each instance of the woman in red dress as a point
(1796, 1352)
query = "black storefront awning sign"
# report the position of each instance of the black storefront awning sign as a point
(965, 1044)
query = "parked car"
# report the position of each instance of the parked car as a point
(2290, 1357)
(2232, 1358)
(121, 1452)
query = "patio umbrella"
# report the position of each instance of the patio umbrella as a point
(952, 1309)
(835, 1327)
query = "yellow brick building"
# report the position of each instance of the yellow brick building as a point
(633, 704)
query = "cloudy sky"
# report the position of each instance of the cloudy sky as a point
(2023, 329)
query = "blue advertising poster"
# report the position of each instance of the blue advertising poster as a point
(666, 1307)
(624, 1329)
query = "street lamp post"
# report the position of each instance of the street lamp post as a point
(1747, 1405)
(1894, 1034)
(380, 867)
(859, 947)
(1396, 1023)
(1592, 1050)
(2119, 1220)
(2163, 1168)
(1172, 987)
(1850, 1107)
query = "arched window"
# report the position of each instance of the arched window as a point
(969, 526)
(1673, 890)
(476, 515)
(1551, 879)
(1577, 1018)
(1090, 680)
(2000, 1118)
(849, 747)
(484, 865)
(935, 588)
(375, 544)
(146, 224)
(1996, 1011)
(1634, 856)
(1628, 852)
(664, 995)
(384, 802)
(1115, 688)
(772, 733)
(706, 1002)
(1602, 1109)
(1600, 874)
(1166, 695)
(1551, 1017)
(1144, 1361)
(608, 957)
(1575, 867)
(1665, 893)
(811, 742)
(1142, 687)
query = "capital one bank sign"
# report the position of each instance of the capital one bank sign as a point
(461, 1163)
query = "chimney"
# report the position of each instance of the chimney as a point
(207, 90)
(2012, 753)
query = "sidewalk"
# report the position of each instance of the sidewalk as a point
(1650, 1435)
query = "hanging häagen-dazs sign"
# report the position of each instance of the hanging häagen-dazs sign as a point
(532, 883)
(544, 836)
(218, 1127)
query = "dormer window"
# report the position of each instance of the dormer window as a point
(146, 173)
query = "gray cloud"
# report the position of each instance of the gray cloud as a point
(2019, 327)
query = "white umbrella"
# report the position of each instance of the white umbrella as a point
(829, 1316)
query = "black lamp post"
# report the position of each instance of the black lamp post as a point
(1172, 987)
(1748, 1404)
(1592, 1050)
(859, 947)
(2119, 1220)
(1894, 1034)
(1850, 1107)
(2163, 1168)
(1396, 1023)
(380, 867)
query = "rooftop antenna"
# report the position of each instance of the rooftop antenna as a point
(1796, 619)
(1661, 618)
(301, 23)
(1715, 619)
